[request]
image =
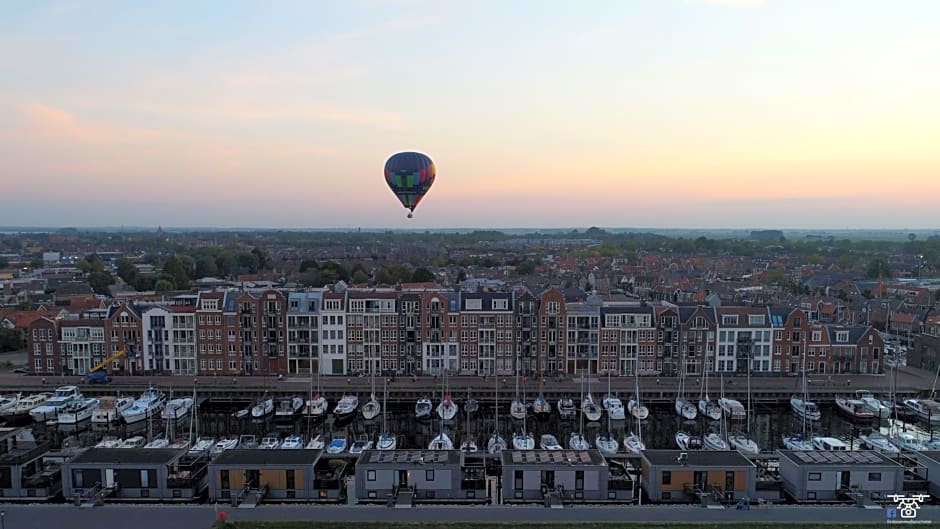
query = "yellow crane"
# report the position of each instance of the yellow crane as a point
(108, 360)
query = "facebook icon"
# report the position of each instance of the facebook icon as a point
(891, 513)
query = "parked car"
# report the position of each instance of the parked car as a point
(21, 371)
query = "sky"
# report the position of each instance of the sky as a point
(541, 113)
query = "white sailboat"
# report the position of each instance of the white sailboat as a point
(684, 407)
(742, 441)
(687, 441)
(442, 441)
(801, 405)
(317, 405)
(716, 440)
(423, 408)
(387, 440)
(576, 440)
(517, 408)
(591, 411)
(634, 406)
(549, 442)
(469, 445)
(447, 409)
(371, 409)
(706, 406)
(566, 408)
(802, 440)
(496, 443)
(262, 408)
(522, 440)
(612, 404)
(605, 441)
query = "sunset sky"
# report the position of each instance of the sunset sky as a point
(621, 113)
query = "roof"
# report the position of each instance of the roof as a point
(697, 458)
(409, 457)
(553, 457)
(119, 456)
(841, 458)
(258, 456)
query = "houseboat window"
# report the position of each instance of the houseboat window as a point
(223, 477)
(667, 477)
(518, 478)
(815, 476)
(874, 476)
(289, 474)
(429, 475)
(77, 479)
(370, 475)
(729, 480)
(579, 480)
(144, 479)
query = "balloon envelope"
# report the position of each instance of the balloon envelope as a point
(409, 175)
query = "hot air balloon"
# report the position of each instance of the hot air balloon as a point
(409, 175)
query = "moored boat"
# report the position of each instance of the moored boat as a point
(110, 409)
(149, 404)
(78, 410)
(50, 408)
(854, 409)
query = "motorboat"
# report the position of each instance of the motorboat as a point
(873, 405)
(110, 409)
(293, 442)
(226, 443)
(469, 446)
(159, 442)
(109, 442)
(77, 410)
(805, 408)
(370, 410)
(879, 443)
(247, 442)
(262, 408)
(180, 443)
(7, 402)
(23, 406)
(137, 441)
(576, 441)
(541, 408)
(606, 443)
(288, 408)
(908, 442)
(316, 407)
(360, 446)
(796, 441)
(614, 407)
(639, 411)
(423, 408)
(517, 409)
(742, 443)
(549, 442)
(149, 404)
(176, 409)
(336, 446)
(441, 442)
(203, 445)
(830, 444)
(50, 408)
(270, 441)
(592, 412)
(346, 407)
(713, 441)
(926, 409)
(495, 444)
(686, 409)
(687, 441)
(243, 413)
(387, 441)
(710, 409)
(447, 409)
(732, 407)
(854, 409)
(566, 408)
(633, 444)
(316, 443)
(523, 441)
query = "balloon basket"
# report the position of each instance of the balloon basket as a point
(411, 215)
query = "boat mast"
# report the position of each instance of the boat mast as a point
(748, 395)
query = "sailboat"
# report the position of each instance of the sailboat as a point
(808, 410)
(496, 443)
(468, 445)
(523, 440)
(517, 408)
(442, 441)
(447, 409)
(612, 405)
(316, 406)
(713, 440)
(605, 441)
(684, 407)
(371, 409)
(634, 406)
(566, 407)
(589, 408)
(387, 440)
(706, 406)
(576, 440)
(423, 408)
(687, 441)
(472, 404)
(540, 406)
(741, 441)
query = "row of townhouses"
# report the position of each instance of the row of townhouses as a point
(345, 331)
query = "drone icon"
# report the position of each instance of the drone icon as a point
(908, 505)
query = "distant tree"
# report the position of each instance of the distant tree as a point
(461, 275)
(911, 236)
(225, 263)
(422, 275)
(100, 281)
(163, 285)
(12, 340)
(360, 277)
(311, 278)
(878, 268)
(775, 276)
(249, 261)
(264, 262)
(308, 264)
(815, 259)
(173, 267)
(526, 267)
(392, 274)
(206, 267)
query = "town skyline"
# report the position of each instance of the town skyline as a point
(710, 113)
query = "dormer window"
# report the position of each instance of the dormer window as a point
(842, 336)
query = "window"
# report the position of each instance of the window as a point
(667, 477)
(755, 319)
(429, 475)
(289, 475)
(815, 476)
(370, 475)
(579, 480)
(874, 476)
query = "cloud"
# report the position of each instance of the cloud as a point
(49, 115)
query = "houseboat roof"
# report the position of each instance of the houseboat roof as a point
(553, 457)
(697, 458)
(128, 455)
(412, 457)
(841, 458)
(243, 457)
